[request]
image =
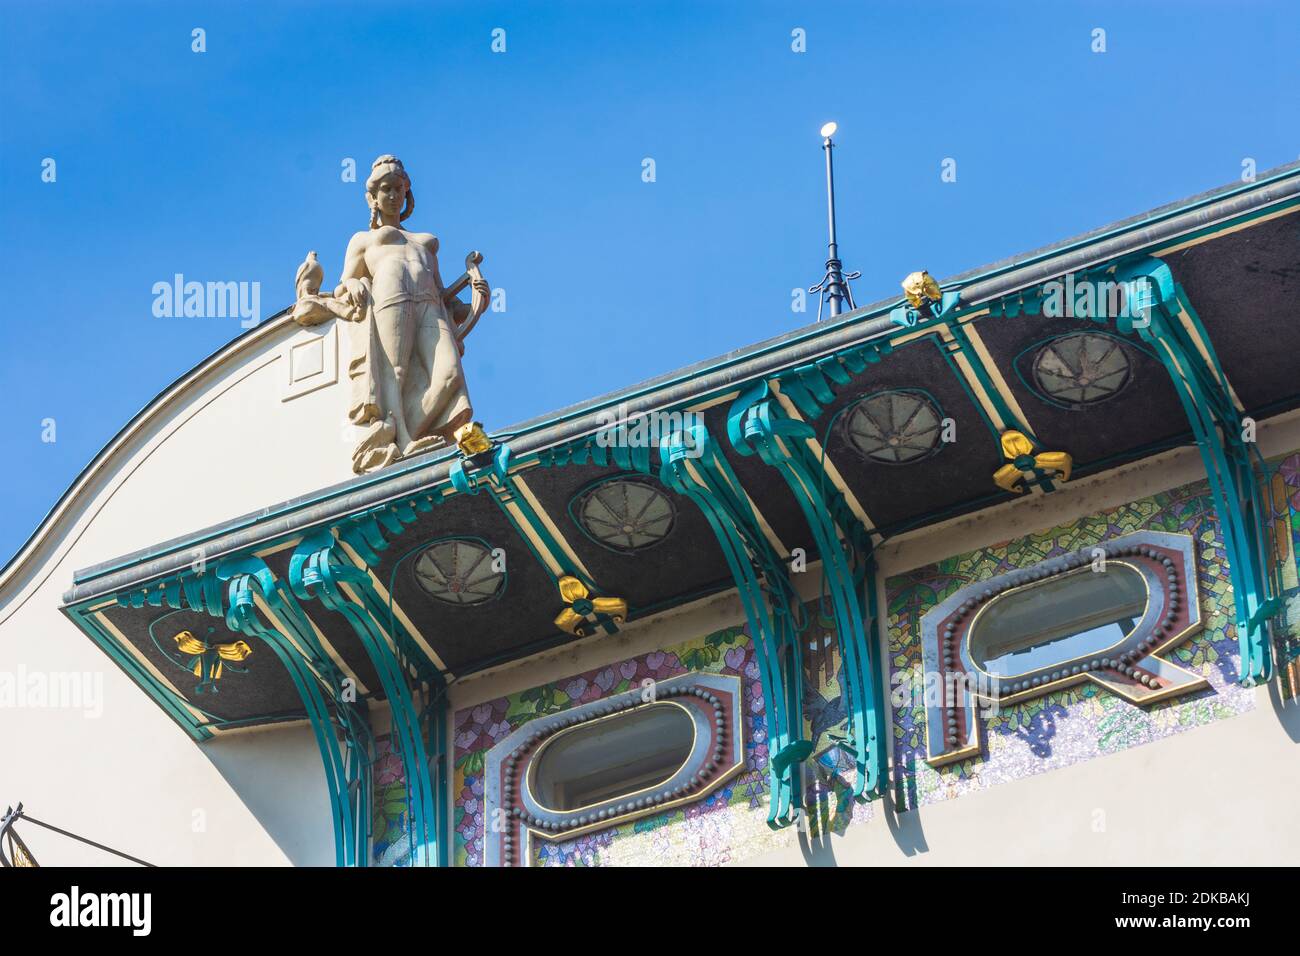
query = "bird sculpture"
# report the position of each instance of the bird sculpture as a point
(309, 277)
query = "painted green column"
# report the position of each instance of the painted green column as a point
(318, 572)
(232, 590)
(693, 465)
(1221, 434)
(343, 735)
(1153, 306)
(757, 424)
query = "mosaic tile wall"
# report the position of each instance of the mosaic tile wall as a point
(1083, 721)
(1052, 731)
(1285, 501)
(729, 824)
(389, 846)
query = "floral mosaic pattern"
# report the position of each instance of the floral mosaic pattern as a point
(390, 821)
(727, 825)
(477, 729)
(1052, 731)
(1285, 502)
(1083, 721)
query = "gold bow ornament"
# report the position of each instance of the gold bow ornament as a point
(584, 612)
(205, 660)
(1023, 465)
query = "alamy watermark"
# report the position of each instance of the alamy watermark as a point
(128, 910)
(948, 689)
(1074, 297)
(208, 300)
(619, 429)
(53, 690)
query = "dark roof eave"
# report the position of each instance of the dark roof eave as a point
(758, 361)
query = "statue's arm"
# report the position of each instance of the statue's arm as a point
(432, 245)
(352, 295)
(459, 313)
(354, 262)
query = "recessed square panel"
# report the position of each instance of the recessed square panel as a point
(311, 360)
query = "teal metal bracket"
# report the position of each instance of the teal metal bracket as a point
(812, 387)
(757, 424)
(1152, 303)
(603, 448)
(907, 317)
(496, 477)
(692, 465)
(467, 482)
(232, 590)
(345, 740)
(317, 571)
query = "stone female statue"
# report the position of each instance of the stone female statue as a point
(407, 330)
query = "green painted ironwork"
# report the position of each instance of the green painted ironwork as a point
(230, 590)
(172, 704)
(694, 466)
(812, 387)
(1198, 379)
(316, 571)
(505, 491)
(347, 766)
(1009, 418)
(1149, 303)
(756, 424)
(603, 448)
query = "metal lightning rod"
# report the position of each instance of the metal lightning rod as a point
(835, 284)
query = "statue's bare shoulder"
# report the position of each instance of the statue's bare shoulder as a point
(426, 239)
(354, 260)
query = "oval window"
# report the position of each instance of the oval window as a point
(1057, 620)
(611, 758)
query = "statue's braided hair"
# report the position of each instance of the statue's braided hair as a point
(380, 168)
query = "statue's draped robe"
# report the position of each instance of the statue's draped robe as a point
(434, 396)
(363, 367)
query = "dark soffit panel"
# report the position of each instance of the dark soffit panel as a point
(685, 563)
(1146, 411)
(956, 473)
(265, 690)
(334, 626)
(1245, 287)
(768, 490)
(523, 611)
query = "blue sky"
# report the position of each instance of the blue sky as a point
(225, 165)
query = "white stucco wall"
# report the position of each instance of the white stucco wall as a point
(219, 446)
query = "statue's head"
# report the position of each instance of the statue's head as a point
(388, 189)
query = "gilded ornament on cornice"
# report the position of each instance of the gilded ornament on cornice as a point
(1023, 464)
